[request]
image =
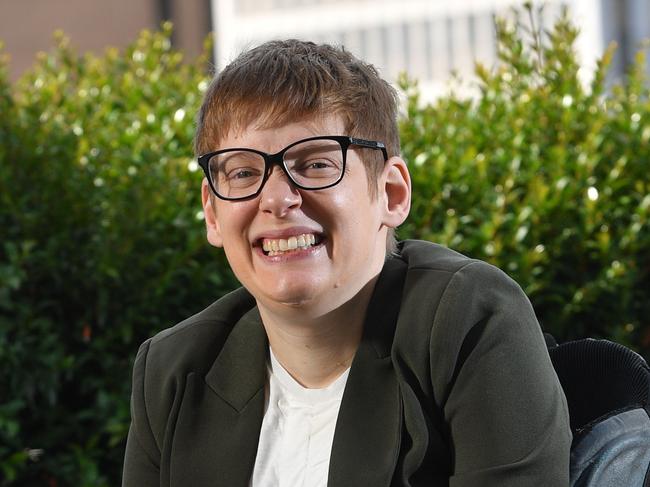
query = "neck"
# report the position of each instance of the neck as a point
(317, 350)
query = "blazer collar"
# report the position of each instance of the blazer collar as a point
(239, 371)
(368, 429)
(220, 415)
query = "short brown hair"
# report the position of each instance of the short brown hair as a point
(280, 82)
(285, 81)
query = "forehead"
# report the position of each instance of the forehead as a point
(267, 137)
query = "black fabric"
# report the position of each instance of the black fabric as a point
(607, 387)
(600, 378)
(550, 340)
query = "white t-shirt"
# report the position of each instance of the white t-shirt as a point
(297, 431)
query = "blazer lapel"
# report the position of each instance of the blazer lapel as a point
(367, 437)
(219, 419)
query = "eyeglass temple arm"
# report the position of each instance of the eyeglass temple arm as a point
(371, 144)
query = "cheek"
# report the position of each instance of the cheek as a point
(234, 219)
(351, 222)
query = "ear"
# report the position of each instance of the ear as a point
(396, 188)
(210, 215)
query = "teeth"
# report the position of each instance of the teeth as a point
(280, 245)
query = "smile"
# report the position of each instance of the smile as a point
(279, 246)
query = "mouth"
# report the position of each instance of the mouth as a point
(272, 247)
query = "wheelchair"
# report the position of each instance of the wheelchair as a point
(607, 387)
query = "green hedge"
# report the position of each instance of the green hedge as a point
(545, 178)
(102, 246)
(102, 243)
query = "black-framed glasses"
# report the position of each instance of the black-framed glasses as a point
(312, 163)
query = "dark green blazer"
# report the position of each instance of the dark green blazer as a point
(451, 386)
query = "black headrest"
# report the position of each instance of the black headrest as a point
(599, 378)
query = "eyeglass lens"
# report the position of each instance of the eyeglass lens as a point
(311, 164)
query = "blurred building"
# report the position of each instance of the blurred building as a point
(628, 23)
(27, 26)
(428, 39)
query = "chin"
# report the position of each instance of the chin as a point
(292, 289)
(298, 299)
(309, 302)
(296, 303)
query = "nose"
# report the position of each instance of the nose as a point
(279, 196)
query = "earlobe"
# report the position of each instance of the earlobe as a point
(210, 215)
(397, 191)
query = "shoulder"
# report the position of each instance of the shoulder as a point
(193, 342)
(164, 361)
(192, 346)
(420, 254)
(444, 278)
(452, 302)
(428, 256)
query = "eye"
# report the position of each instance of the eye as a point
(238, 168)
(315, 162)
(318, 165)
(242, 173)
(242, 177)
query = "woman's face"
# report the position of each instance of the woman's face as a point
(339, 232)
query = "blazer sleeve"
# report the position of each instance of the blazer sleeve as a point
(505, 410)
(142, 457)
